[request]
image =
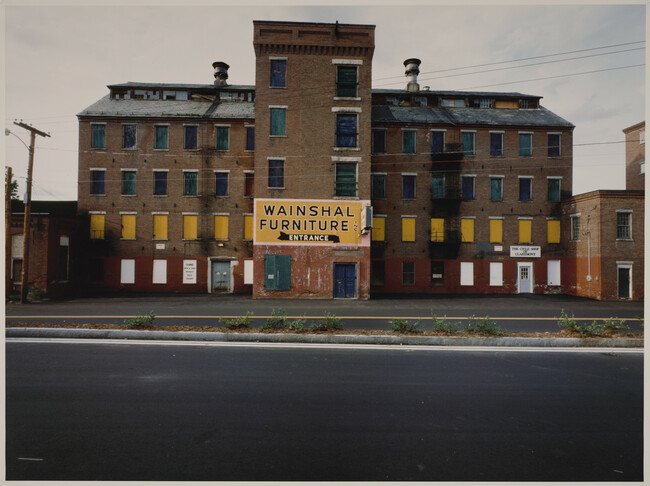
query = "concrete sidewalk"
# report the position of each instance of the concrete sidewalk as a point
(254, 337)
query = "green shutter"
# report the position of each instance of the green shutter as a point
(283, 272)
(278, 121)
(222, 138)
(346, 180)
(346, 86)
(269, 272)
(277, 272)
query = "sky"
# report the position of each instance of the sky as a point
(587, 62)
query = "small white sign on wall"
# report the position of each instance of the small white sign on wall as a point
(189, 271)
(525, 251)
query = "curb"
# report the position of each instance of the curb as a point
(31, 332)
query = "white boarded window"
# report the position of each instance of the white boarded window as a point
(496, 274)
(189, 271)
(467, 273)
(159, 272)
(248, 272)
(554, 272)
(127, 272)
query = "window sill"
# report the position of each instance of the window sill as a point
(98, 195)
(351, 149)
(130, 149)
(161, 150)
(347, 98)
(278, 136)
(98, 149)
(346, 197)
(191, 195)
(277, 87)
(193, 149)
(128, 195)
(160, 239)
(161, 195)
(128, 239)
(189, 239)
(624, 239)
(276, 188)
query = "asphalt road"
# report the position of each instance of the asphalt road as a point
(514, 313)
(134, 411)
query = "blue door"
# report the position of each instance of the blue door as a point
(345, 280)
(220, 276)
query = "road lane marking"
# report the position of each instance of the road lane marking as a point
(446, 318)
(400, 347)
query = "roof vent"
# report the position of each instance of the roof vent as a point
(220, 74)
(412, 70)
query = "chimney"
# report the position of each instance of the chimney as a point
(220, 74)
(412, 70)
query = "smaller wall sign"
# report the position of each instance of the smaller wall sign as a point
(160, 246)
(525, 251)
(189, 271)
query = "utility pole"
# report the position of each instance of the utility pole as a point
(28, 208)
(8, 181)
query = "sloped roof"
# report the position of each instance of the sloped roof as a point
(169, 108)
(455, 94)
(468, 116)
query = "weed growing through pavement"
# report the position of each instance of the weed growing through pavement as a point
(279, 320)
(443, 325)
(140, 321)
(330, 323)
(403, 326)
(238, 322)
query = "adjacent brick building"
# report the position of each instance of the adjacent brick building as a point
(56, 247)
(635, 157)
(311, 184)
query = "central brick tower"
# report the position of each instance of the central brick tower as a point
(312, 159)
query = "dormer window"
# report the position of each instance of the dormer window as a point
(452, 103)
(482, 102)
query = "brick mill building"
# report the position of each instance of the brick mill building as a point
(312, 184)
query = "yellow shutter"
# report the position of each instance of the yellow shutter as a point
(248, 227)
(437, 229)
(553, 227)
(378, 229)
(408, 229)
(190, 222)
(128, 226)
(221, 227)
(525, 230)
(159, 226)
(466, 230)
(97, 226)
(506, 104)
(496, 231)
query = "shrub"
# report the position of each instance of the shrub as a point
(571, 324)
(278, 320)
(615, 324)
(487, 326)
(443, 325)
(296, 325)
(140, 321)
(330, 323)
(402, 326)
(238, 322)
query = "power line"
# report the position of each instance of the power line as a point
(522, 59)
(525, 65)
(555, 77)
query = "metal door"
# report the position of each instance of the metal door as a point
(345, 280)
(525, 278)
(220, 276)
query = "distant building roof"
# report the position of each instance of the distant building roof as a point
(160, 108)
(51, 208)
(456, 94)
(210, 87)
(467, 116)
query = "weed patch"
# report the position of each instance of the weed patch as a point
(140, 322)
(244, 322)
(330, 323)
(403, 326)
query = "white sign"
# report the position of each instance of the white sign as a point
(525, 251)
(189, 271)
(160, 246)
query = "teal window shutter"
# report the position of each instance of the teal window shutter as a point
(222, 138)
(346, 85)
(496, 189)
(525, 145)
(190, 186)
(346, 179)
(128, 182)
(468, 143)
(269, 272)
(277, 272)
(278, 121)
(161, 137)
(408, 142)
(99, 136)
(437, 187)
(283, 272)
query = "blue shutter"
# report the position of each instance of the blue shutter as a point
(97, 182)
(468, 188)
(191, 139)
(278, 73)
(128, 136)
(346, 130)
(250, 138)
(379, 141)
(524, 189)
(496, 144)
(160, 183)
(221, 185)
(554, 145)
(408, 187)
(276, 173)
(437, 142)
